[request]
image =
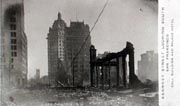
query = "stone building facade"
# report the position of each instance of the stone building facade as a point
(56, 49)
(63, 44)
(80, 66)
(13, 43)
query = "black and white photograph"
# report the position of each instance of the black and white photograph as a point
(79, 53)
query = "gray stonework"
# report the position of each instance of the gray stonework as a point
(63, 45)
(13, 44)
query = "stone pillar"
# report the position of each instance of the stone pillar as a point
(92, 75)
(97, 76)
(117, 70)
(131, 63)
(102, 76)
(124, 70)
(105, 75)
(109, 73)
(92, 64)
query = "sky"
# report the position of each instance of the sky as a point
(121, 21)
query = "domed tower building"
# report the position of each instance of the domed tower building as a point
(56, 52)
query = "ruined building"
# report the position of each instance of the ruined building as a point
(63, 45)
(13, 44)
(103, 69)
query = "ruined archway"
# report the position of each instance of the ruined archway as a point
(101, 68)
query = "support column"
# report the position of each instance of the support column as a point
(92, 75)
(124, 70)
(94, 80)
(105, 76)
(117, 69)
(92, 63)
(102, 76)
(109, 71)
(97, 76)
(131, 66)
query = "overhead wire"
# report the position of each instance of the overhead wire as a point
(84, 43)
(79, 51)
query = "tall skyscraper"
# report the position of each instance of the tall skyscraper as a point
(80, 66)
(148, 66)
(64, 44)
(56, 50)
(13, 43)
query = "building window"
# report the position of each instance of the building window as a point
(12, 19)
(13, 41)
(3, 40)
(13, 47)
(12, 66)
(13, 54)
(13, 26)
(13, 13)
(13, 34)
(12, 60)
(2, 59)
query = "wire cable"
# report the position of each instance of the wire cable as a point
(90, 32)
(84, 43)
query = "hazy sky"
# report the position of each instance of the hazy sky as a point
(122, 20)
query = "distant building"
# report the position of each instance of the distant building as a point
(148, 66)
(37, 76)
(102, 55)
(63, 45)
(13, 44)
